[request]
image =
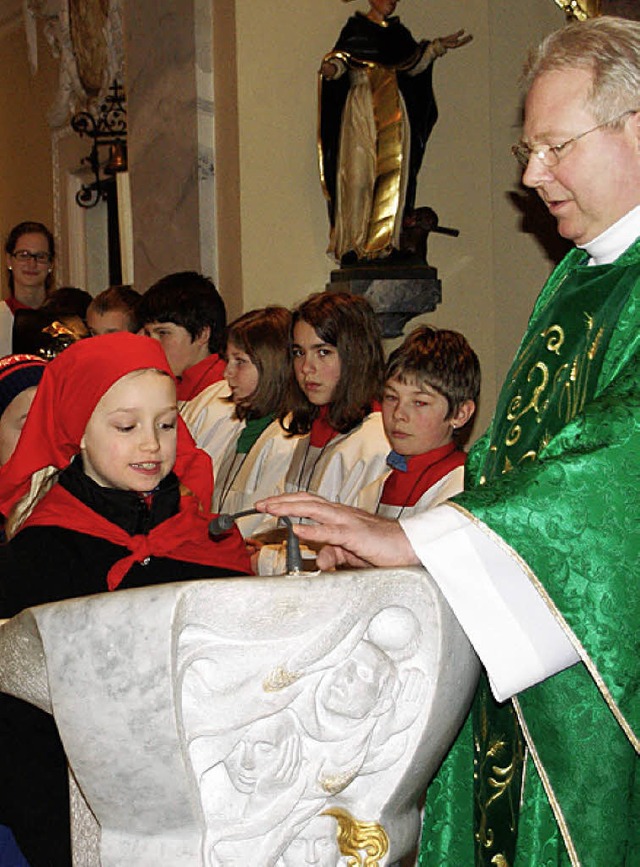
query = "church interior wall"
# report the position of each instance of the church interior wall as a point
(271, 227)
(26, 173)
(493, 271)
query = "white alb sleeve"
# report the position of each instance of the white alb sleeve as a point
(519, 636)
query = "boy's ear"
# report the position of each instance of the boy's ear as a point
(463, 414)
(202, 338)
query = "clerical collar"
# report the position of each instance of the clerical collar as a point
(615, 240)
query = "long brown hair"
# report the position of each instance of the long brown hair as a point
(348, 323)
(264, 335)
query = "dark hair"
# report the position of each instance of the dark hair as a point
(264, 335)
(67, 301)
(124, 298)
(27, 228)
(441, 359)
(348, 323)
(188, 299)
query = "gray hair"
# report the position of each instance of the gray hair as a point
(608, 48)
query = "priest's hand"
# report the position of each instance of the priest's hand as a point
(352, 537)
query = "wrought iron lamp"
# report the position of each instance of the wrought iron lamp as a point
(107, 130)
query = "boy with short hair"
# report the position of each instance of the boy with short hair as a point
(430, 395)
(185, 313)
(113, 310)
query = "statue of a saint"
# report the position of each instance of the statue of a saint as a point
(377, 110)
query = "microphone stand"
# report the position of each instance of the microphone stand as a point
(224, 522)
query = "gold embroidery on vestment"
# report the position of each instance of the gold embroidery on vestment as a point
(499, 779)
(566, 388)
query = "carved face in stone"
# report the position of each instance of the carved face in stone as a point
(315, 846)
(360, 685)
(267, 758)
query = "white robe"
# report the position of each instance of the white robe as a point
(337, 472)
(6, 329)
(212, 422)
(241, 480)
(446, 487)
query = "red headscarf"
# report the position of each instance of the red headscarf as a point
(68, 393)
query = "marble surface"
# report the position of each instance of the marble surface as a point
(164, 110)
(247, 721)
(396, 299)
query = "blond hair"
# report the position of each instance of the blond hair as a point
(608, 48)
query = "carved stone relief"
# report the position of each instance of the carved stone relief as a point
(271, 722)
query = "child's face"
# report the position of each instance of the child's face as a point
(181, 349)
(109, 322)
(12, 421)
(241, 373)
(415, 419)
(316, 364)
(130, 440)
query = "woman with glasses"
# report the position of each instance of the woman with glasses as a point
(30, 253)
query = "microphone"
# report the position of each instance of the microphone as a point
(224, 522)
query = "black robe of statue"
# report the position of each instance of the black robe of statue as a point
(391, 46)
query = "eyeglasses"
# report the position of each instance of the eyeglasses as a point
(550, 155)
(40, 258)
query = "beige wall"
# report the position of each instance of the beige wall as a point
(492, 272)
(26, 184)
(272, 226)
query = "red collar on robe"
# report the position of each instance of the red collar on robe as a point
(199, 376)
(184, 536)
(423, 471)
(13, 304)
(322, 431)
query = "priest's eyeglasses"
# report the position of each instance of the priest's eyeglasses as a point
(40, 258)
(550, 155)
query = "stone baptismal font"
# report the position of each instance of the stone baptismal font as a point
(264, 721)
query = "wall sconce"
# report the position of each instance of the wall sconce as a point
(107, 130)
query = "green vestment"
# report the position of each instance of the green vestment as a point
(556, 476)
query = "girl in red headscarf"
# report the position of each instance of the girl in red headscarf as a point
(105, 490)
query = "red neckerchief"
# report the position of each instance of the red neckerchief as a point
(200, 376)
(322, 431)
(423, 471)
(13, 304)
(183, 537)
(70, 389)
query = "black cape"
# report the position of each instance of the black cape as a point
(391, 46)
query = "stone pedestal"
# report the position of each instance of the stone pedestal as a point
(243, 721)
(397, 294)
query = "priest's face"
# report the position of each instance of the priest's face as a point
(596, 180)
